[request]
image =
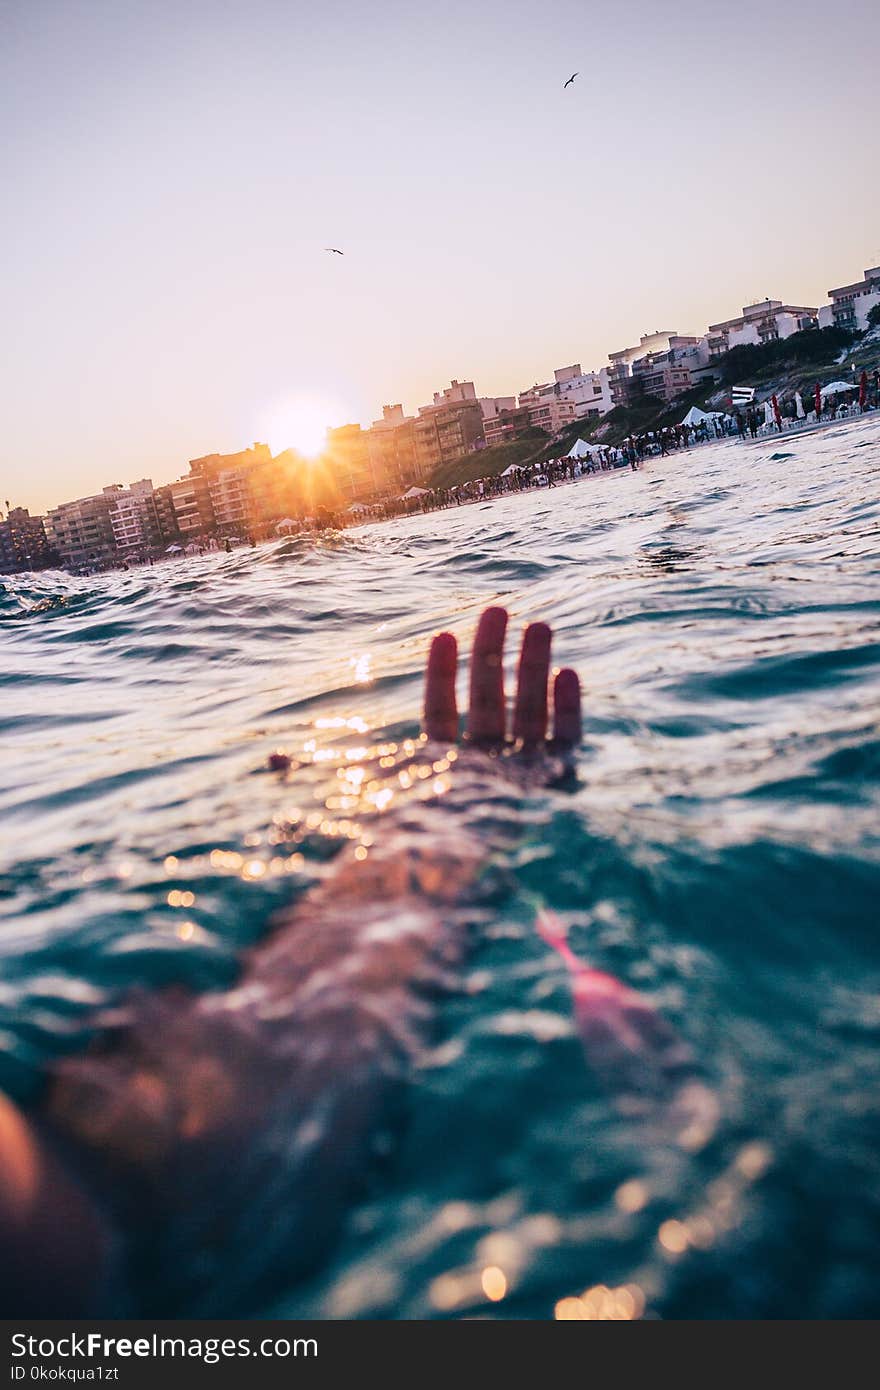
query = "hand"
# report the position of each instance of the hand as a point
(486, 725)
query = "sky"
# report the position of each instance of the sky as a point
(172, 173)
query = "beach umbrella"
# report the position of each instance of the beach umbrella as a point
(835, 387)
(817, 397)
(863, 389)
(776, 411)
(799, 406)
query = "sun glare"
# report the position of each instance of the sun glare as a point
(300, 423)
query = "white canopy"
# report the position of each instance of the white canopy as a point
(582, 450)
(695, 416)
(514, 468)
(358, 507)
(173, 549)
(415, 492)
(579, 450)
(285, 524)
(799, 405)
(834, 387)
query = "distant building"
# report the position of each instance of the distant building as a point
(166, 517)
(193, 510)
(547, 409)
(766, 321)
(669, 374)
(391, 444)
(348, 457)
(216, 493)
(81, 532)
(23, 543)
(588, 392)
(449, 428)
(135, 520)
(851, 304)
(620, 371)
(503, 421)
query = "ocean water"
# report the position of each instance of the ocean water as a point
(719, 852)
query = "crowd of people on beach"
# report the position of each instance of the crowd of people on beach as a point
(779, 413)
(629, 454)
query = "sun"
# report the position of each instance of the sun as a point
(300, 423)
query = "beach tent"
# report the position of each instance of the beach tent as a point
(695, 416)
(357, 507)
(514, 468)
(174, 550)
(583, 450)
(834, 387)
(286, 523)
(414, 492)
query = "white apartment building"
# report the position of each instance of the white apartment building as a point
(763, 322)
(588, 392)
(133, 517)
(851, 304)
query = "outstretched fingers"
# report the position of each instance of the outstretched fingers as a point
(530, 710)
(441, 711)
(567, 709)
(486, 705)
(486, 713)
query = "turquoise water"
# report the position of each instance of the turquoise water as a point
(719, 853)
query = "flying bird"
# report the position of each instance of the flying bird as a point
(335, 250)
(569, 82)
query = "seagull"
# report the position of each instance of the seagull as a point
(335, 250)
(569, 82)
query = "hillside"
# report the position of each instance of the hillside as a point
(794, 363)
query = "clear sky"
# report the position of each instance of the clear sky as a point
(171, 172)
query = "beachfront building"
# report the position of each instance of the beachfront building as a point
(166, 517)
(193, 512)
(667, 375)
(503, 420)
(81, 532)
(851, 304)
(545, 409)
(348, 458)
(23, 542)
(588, 392)
(449, 428)
(766, 321)
(135, 521)
(215, 494)
(391, 444)
(620, 372)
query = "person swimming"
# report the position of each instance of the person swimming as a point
(150, 1156)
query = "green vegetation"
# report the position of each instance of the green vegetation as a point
(874, 317)
(815, 347)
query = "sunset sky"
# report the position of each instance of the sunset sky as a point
(171, 173)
